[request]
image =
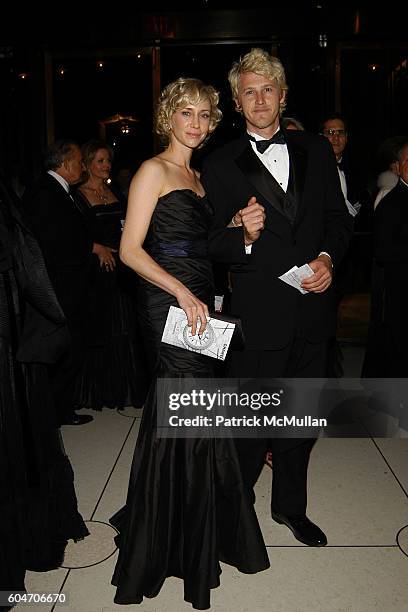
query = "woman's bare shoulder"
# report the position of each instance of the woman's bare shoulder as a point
(151, 169)
(153, 164)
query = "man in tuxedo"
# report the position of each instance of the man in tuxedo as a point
(334, 128)
(390, 239)
(359, 204)
(62, 232)
(291, 211)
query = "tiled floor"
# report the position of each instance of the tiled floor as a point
(358, 494)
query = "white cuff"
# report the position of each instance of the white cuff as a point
(328, 255)
(353, 209)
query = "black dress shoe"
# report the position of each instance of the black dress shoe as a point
(77, 419)
(304, 530)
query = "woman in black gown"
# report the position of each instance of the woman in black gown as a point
(186, 508)
(113, 373)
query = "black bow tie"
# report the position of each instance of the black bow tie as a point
(263, 145)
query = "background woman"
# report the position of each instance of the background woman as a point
(113, 373)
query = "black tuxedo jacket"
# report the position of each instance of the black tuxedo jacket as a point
(391, 253)
(311, 217)
(65, 241)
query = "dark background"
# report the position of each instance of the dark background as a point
(347, 56)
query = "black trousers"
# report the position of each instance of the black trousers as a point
(63, 374)
(300, 359)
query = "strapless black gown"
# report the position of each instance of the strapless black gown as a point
(186, 508)
(113, 372)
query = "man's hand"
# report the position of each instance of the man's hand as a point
(322, 277)
(253, 220)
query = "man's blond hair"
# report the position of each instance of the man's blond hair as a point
(260, 62)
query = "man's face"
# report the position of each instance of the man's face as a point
(403, 164)
(259, 99)
(73, 166)
(335, 131)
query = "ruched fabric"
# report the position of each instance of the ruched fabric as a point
(187, 508)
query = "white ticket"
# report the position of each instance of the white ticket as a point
(214, 342)
(295, 275)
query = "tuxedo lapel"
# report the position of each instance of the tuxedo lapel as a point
(297, 173)
(60, 193)
(68, 201)
(261, 179)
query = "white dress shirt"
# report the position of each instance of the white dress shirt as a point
(275, 159)
(60, 179)
(353, 210)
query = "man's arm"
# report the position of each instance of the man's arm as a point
(338, 226)
(338, 223)
(48, 226)
(226, 244)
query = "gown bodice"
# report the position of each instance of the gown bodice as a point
(179, 225)
(106, 222)
(177, 240)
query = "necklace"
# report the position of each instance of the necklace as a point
(103, 197)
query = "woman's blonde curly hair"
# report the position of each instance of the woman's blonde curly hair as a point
(179, 94)
(260, 62)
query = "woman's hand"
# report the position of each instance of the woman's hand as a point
(105, 256)
(194, 309)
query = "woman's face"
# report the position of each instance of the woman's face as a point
(100, 166)
(190, 125)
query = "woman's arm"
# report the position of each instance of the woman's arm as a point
(145, 189)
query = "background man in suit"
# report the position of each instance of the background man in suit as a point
(386, 344)
(65, 241)
(391, 254)
(295, 214)
(354, 265)
(334, 128)
(356, 193)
